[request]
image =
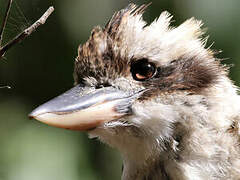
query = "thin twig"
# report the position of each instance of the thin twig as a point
(3, 87)
(5, 20)
(26, 32)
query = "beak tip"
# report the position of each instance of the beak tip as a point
(31, 115)
(35, 113)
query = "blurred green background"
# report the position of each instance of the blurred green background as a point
(41, 67)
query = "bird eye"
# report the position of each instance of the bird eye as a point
(142, 69)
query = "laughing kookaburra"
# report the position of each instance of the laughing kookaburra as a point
(156, 94)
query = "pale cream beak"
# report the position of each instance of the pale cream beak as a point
(84, 108)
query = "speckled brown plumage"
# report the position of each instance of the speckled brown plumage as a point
(189, 72)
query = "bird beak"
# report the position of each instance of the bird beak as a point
(84, 108)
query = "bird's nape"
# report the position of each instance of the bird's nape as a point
(156, 87)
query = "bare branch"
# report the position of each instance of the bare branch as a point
(3, 87)
(5, 17)
(20, 37)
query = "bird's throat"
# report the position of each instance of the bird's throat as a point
(155, 169)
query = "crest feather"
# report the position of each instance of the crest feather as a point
(121, 16)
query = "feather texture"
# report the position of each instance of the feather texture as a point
(186, 125)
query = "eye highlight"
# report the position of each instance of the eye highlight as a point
(142, 69)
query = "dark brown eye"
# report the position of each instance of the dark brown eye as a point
(142, 69)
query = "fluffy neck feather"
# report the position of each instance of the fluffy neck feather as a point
(199, 141)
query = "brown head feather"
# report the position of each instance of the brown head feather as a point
(106, 55)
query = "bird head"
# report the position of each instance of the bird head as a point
(138, 85)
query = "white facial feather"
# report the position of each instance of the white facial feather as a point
(207, 150)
